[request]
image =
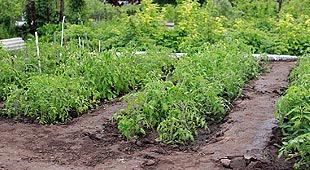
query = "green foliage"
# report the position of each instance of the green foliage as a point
(46, 12)
(288, 35)
(298, 147)
(221, 8)
(46, 31)
(256, 8)
(76, 11)
(197, 91)
(48, 98)
(293, 112)
(292, 35)
(73, 82)
(98, 11)
(178, 95)
(42, 12)
(296, 7)
(11, 11)
(11, 72)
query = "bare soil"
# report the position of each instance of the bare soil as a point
(244, 140)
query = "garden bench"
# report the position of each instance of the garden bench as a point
(275, 57)
(170, 25)
(13, 44)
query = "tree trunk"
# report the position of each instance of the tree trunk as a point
(280, 5)
(62, 9)
(32, 16)
(48, 14)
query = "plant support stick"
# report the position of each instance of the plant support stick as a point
(38, 51)
(55, 46)
(99, 46)
(62, 31)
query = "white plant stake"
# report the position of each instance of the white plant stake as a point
(99, 46)
(62, 31)
(85, 35)
(38, 51)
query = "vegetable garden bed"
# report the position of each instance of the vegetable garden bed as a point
(93, 141)
(180, 101)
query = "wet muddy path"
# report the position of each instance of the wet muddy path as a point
(245, 140)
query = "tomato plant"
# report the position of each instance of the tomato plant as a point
(293, 112)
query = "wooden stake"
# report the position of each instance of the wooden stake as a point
(55, 41)
(26, 59)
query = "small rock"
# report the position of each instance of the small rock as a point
(230, 121)
(247, 156)
(133, 141)
(253, 165)
(225, 162)
(150, 162)
(218, 134)
(238, 163)
(148, 141)
(159, 151)
(94, 136)
(139, 143)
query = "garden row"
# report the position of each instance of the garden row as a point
(176, 95)
(72, 83)
(196, 92)
(75, 81)
(293, 111)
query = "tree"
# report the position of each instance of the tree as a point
(11, 11)
(41, 12)
(46, 12)
(61, 9)
(76, 10)
(31, 16)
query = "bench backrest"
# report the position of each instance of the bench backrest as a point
(170, 25)
(13, 44)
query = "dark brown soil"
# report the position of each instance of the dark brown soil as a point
(244, 140)
(1, 105)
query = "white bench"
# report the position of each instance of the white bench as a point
(275, 57)
(170, 25)
(13, 44)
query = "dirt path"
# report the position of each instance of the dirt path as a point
(244, 141)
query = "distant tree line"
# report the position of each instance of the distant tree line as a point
(41, 12)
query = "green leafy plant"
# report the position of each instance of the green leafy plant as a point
(48, 98)
(293, 112)
(195, 92)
